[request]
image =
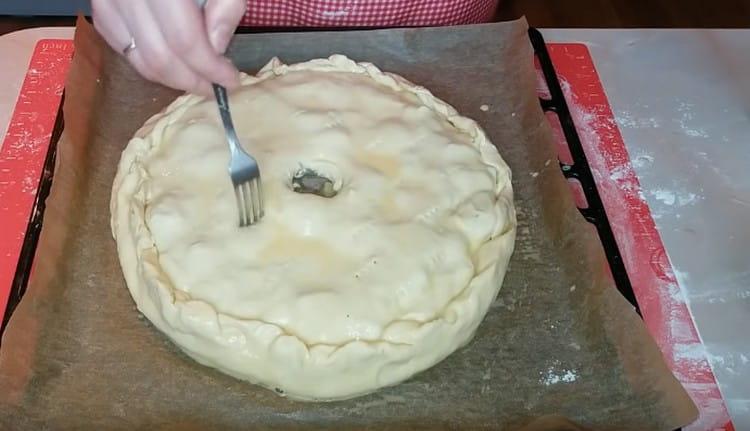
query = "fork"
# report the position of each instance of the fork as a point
(243, 168)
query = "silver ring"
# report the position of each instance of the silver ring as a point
(129, 48)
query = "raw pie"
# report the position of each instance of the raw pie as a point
(336, 292)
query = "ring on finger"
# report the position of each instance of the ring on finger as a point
(128, 49)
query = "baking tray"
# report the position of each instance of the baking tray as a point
(579, 170)
(61, 318)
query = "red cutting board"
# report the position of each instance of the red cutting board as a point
(24, 150)
(659, 296)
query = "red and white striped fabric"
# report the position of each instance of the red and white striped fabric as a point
(366, 13)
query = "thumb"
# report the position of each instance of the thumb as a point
(222, 18)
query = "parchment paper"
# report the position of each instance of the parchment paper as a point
(559, 341)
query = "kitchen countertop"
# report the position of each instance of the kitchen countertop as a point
(681, 99)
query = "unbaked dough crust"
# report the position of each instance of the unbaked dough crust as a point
(326, 298)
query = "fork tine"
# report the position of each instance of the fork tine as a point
(256, 195)
(240, 205)
(249, 208)
(261, 209)
(248, 205)
(245, 207)
(254, 201)
(237, 202)
(247, 202)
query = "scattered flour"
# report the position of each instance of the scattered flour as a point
(740, 202)
(29, 185)
(687, 116)
(552, 377)
(739, 405)
(674, 197)
(690, 352)
(695, 133)
(627, 120)
(642, 161)
(683, 278)
(619, 173)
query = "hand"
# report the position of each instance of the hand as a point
(177, 43)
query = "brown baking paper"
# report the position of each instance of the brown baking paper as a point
(559, 341)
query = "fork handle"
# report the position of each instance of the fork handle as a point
(226, 118)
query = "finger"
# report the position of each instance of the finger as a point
(183, 78)
(110, 25)
(152, 57)
(189, 40)
(221, 19)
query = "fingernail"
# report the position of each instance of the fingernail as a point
(220, 37)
